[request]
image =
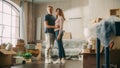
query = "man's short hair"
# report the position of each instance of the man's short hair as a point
(50, 6)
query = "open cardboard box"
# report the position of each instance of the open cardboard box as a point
(6, 57)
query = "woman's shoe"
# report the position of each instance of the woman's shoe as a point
(50, 61)
(63, 61)
(57, 61)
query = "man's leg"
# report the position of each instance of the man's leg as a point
(47, 38)
(52, 38)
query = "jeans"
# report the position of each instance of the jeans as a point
(60, 45)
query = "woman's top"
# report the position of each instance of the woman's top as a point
(59, 22)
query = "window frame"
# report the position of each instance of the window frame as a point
(15, 8)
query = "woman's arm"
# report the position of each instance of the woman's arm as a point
(61, 27)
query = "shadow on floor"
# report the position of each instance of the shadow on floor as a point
(68, 64)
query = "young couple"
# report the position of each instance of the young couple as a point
(53, 30)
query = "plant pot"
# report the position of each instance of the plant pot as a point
(28, 60)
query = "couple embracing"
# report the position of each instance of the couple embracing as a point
(54, 30)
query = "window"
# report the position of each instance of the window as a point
(9, 23)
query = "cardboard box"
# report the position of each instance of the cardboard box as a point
(19, 49)
(20, 42)
(67, 35)
(18, 60)
(34, 52)
(86, 50)
(39, 46)
(6, 57)
(30, 46)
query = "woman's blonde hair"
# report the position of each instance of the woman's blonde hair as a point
(60, 13)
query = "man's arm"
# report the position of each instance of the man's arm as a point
(48, 26)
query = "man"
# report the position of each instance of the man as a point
(49, 34)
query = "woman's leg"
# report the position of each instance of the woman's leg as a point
(59, 49)
(62, 48)
(59, 45)
(63, 52)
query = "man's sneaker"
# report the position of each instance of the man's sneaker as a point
(57, 61)
(46, 61)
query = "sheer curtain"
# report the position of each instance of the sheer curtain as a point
(23, 29)
(27, 22)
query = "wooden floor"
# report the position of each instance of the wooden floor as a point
(68, 64)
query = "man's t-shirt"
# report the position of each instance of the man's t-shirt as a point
(51, 21)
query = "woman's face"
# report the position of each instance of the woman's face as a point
(57, 12)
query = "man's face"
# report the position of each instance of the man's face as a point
(49, 10)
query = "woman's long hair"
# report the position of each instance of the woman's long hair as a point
(60, 13)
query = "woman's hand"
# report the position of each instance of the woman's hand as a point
(58, 37)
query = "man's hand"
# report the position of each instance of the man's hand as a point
(56, 26)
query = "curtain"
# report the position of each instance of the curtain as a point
(23, 30)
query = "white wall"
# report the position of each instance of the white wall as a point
(99, 8)
(72, 9)
(86, 9)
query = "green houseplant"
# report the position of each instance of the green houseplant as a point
(27, 55)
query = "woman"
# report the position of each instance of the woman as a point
(59, 33)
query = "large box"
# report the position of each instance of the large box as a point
(6, 57)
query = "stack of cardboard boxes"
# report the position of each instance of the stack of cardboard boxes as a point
(6, 56)
(20, 50)
(14, 55)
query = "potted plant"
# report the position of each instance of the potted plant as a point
(27, 56)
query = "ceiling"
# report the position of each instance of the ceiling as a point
(42, 1)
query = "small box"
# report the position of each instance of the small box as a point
(30, 46)
(39, 46)
(86, 50)
(6, 57)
